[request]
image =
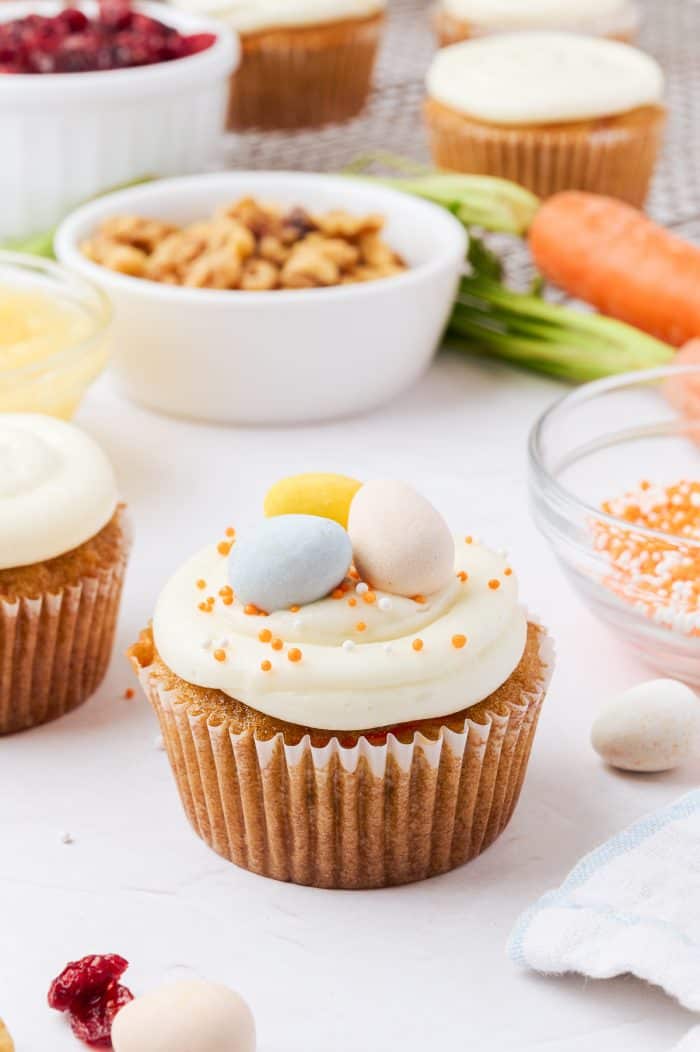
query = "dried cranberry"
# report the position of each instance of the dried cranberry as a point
(85, 977)
(91, 1019)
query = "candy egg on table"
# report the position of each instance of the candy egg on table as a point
(189, 1016)
(289, 560)
(655, 726)
(401, 544)
(313, 493)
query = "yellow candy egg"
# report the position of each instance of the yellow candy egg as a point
(328, 496)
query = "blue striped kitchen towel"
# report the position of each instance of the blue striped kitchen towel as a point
(630, 907)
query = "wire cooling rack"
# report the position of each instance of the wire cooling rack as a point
(392, 120)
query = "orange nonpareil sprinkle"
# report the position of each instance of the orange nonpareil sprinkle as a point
(264, 635)
(219, 655)
(417, 644)
(294, 609)
(494, 584)
(463, 576)
(507, 572)
(468, 539)
(128, 693)
(294, 654)
(360, 626)
(207, 606)
(369, 597)
(277, 644)
(459, 641)
(252, 610)
(352, 601)
(419, 599)
(224, 547)
(266, 666)
(201, 583)
(337, 593)
(230, 532)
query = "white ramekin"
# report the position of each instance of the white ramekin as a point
(281, 356)
(68, 136)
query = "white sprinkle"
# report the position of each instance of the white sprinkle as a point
(67, 838)
(385, 603)
(158, 742)
(348, 645)
(362, 588)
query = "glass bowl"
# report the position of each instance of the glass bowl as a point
(54, 335)
(636, 564)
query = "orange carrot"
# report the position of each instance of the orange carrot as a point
(613, 257)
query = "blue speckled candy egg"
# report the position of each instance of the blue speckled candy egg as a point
(290, 560)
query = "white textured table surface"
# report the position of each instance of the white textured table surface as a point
(410, 969)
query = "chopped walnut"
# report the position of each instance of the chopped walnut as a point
(248, 245)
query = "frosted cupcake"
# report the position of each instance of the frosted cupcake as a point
(304, 62)
(63, 551)
(457, 20)
(346, 708)
(551, 111)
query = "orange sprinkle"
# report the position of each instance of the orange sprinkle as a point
(494, 584)
(230, 532)
(352, 572)
(204, 607)
(370, 597)
(360, 626)
(265, 666)
(224, 547)
(201, 583)
(463, 575)
(507, 572)
(459, 641)
(264, 635)
(417, 644)
(128, 693)
(277, 644)
(227, 600)
(337, 593)
(251, 609)
(419, 599)
(226, 590)
(294, 654)
(294, 609)
(219, 655)
(352, 601)
(469, 539)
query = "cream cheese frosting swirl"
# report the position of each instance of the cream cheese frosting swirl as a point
(595, 16)
(251, 16)
(472, 636)
(57, 489)
(543, 78)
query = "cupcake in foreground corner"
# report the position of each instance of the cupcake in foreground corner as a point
(304, 62)
(551, 111)
(63, 549)
(457, 20)
(346, 708)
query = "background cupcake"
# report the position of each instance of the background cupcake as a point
(304, 63)
(551, 111)
(374, 727)
(63, 549)
(457, 20)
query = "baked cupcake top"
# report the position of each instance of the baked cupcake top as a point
(254, 16)
(57, 489)
(389, 621)
(543, 78)
(595, 16)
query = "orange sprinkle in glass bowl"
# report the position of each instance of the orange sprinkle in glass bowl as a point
(615, 488)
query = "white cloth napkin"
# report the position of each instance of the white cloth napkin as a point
(631, 906)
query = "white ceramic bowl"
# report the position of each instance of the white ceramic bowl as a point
(67, 136)
(280, 356)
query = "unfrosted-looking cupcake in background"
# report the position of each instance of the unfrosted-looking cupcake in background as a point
(304, 62)
(457, 20)
(64, 543)
(346, 707)
(551, 111)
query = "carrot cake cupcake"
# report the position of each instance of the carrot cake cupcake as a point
(304, 62)
(462, 19)
(551, 111)
(346, 708)
(63, 551)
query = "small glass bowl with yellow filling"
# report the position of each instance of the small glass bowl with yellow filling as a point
(54, 336)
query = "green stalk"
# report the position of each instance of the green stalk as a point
(476, 200)
(491, 319)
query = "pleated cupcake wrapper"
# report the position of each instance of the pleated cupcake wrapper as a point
(616, 160)
(304, 78)
(55, 649)
(362, 817)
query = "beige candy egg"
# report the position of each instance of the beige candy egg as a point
(400, 543)
(652, 727)
(189, 1016)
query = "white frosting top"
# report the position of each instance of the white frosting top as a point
(349, 679)
(543, 78)
(57, 488)
(250, 16)
(593, 16)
